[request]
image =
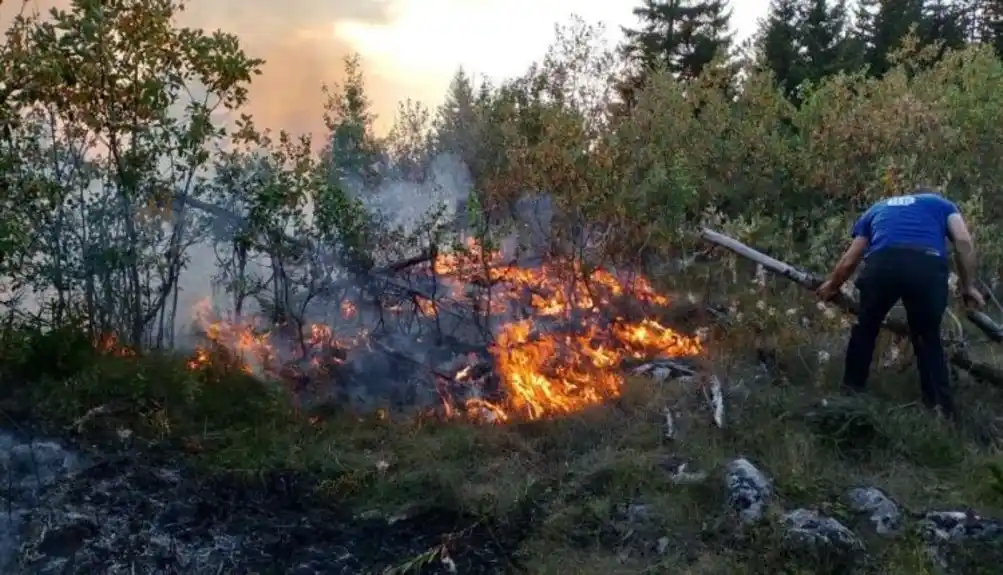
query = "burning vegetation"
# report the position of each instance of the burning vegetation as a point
(526, 342)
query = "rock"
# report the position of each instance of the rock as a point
(883, 513)
(638, 513)
(957, 526)
(32, 464)
(808, 529)
(961, 542)
(750, 491)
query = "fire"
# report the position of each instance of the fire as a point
(347, 309)
(544, 374)
(248, 345)
(556, 349)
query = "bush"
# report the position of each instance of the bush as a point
(790, 179)
(68, 380)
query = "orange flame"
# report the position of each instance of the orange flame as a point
(545, 374)
(542, 374)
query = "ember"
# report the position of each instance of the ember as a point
(560, 335)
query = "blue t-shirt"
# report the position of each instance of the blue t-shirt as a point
(918, 220)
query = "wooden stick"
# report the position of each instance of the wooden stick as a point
(959, 357)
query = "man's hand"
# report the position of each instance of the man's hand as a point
(827, 290)
(844, 269)
(973, 298)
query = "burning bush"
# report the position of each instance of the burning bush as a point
(559, 339)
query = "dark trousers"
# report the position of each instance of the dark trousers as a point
(919, 279)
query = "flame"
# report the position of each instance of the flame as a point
(348, 310)
(543, 372)
(109, 343)
(247, 346)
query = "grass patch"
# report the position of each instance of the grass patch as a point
(590, 493)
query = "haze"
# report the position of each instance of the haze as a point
(410, 48)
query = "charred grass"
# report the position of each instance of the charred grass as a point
(561, 495)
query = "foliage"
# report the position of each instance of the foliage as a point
(801, 172)
(804, 41)
(118, 123)
(110, 144)
(112, 121)
(680, 35)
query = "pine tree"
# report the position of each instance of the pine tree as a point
(946, 22)
(352, 146)
(681, 36)
(883, 24)
(458, 127)
(658, 42)
(824, 33)
(457, 115)
(990, 21)
(706, 35)
(805, 40)
(778, 45)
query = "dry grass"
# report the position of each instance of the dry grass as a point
(562, 485)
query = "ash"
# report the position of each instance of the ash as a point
(149, 513)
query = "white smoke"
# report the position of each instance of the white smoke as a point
(447, 185)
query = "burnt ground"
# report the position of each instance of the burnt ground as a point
(155, 468)
(149, 512)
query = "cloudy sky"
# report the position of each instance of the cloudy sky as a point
(410, 48)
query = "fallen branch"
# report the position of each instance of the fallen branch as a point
(441, 302)
(959, 357)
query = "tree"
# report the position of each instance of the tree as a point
(682, 36)
(409, 144)
(805, 40)
(267, 181)
(706, 35)
(988, 21)
(778, 45)
(19, 199)
(947, 23)
(119, 124)
(883, 24)
(825, 38)
(352, 147)
(457, 123)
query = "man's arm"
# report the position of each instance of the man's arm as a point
(849, 262)
(964, 250)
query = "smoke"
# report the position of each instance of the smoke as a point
(389, 375)
(405, 204)
(396, 202)
(301, 48)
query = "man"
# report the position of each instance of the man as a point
(903, 242)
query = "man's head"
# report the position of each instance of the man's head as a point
(898, 193)
(924, 189)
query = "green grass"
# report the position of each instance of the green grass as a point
(562, 483)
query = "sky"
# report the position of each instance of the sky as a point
(409, 48)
